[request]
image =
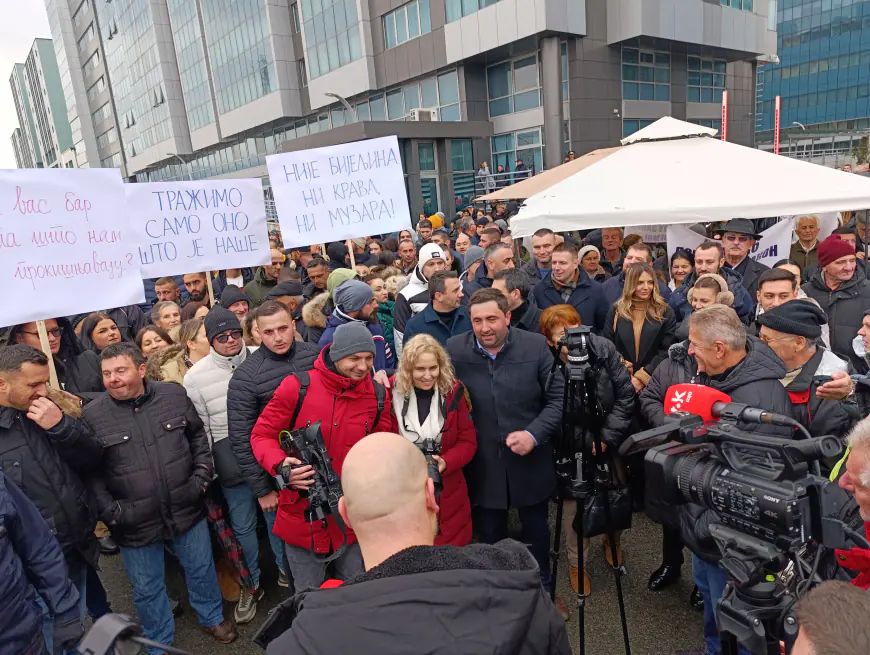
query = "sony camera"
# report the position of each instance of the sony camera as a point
(430, 448)
(576, 340)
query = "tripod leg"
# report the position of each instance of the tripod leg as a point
(554, 553)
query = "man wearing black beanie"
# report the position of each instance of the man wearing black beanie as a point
(792, 331)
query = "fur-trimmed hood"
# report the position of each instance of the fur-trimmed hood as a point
(314, 312)
(159, 364)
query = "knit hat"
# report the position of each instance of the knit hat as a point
(287, 288)
(350, 339)
(473, 255)
(430, 251)
(436, 221)
(337, 252)
(501, 224)
(801, 317)
(832, 248)
(585, 250)
(231, 295)
(483, 220)
(337, 277)
(218, 320)
(359, 241)
(352, 295)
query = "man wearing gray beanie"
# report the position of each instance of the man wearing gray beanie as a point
(355, 303)
(472, 260)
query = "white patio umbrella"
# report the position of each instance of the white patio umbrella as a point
(676, 172)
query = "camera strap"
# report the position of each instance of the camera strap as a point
(304, 382)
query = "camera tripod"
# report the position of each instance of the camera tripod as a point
(580, 408)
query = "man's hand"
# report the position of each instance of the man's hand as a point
(838, 388)
(301, 477)
(44, 413)
(637, 384)
(382, 378)
(520, 442)
(269, 502)
(859, 254)
(442, 465)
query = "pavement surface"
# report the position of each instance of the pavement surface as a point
(660, 623)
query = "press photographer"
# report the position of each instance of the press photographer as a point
(339, 392)
(413, 596)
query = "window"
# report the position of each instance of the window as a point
(463, 172)
(107, 137)
(526, 145)
(294, 17)
(448, 96)
(114, 161)
(92, 62)
(745, 5)
(332, 34)
(81, 13)
(303, 77)
(564, 57)
(646, 75)
(513, 86)
(456, 9)
(706, 79)
(629, 127)
(96, 89)
(405, 23)
(427, 156)
(102, 113)
(86, 38)
(463, 159)
(715, 123)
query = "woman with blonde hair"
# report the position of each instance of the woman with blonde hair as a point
(430, 405)
(171, 364)
(641, 324)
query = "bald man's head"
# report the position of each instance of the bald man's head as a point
(389, 500)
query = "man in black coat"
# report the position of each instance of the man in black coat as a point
(739, 237)
(516, 287)
(41, 451)
(390, 503)
(569, 284)
(149, 485)
(516, 415)
(251, 389)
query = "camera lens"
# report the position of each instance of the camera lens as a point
(694, 473)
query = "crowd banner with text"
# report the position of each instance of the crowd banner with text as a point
(649, 233)
(189, 227)
(774, 244)
(65, 244)
(339, 192)
(680, 236)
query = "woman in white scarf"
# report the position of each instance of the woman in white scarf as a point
(430, 404)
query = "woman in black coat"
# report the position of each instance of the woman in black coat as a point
(641, 324)
(616, 397)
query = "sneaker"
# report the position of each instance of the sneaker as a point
(283, 580)
(246, 608)
(224, 632)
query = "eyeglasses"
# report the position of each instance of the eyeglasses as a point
(234, 335)
(742, 238)
(52, 333)
(768, 340)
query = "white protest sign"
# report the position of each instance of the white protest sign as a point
(828, 222)
(188, 227)
(340, 192)
(679, 236)
(65, 245)
(774, 244)
(649, 233)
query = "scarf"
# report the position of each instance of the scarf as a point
(409, 422)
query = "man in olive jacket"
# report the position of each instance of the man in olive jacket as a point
(149, 485)
(516, 415)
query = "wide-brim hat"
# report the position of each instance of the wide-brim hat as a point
(740, 226)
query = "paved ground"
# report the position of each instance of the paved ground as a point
(658, 623)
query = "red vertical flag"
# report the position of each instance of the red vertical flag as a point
(776, 113)
(724, 129)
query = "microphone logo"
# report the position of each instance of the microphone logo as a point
(679, 398)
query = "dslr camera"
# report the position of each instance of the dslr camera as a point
(430, 448)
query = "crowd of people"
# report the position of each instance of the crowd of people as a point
(163, 436)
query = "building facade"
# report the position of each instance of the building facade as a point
(27, 151)
(47, 101)
(823, 79)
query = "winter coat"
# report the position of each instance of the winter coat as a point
(804, 259)
(168, 365)
(477, 600)
(257, 289)
(155, 466)
(484, 182)
(384, 358)
(521, 172)
(857, 559)
(531, 269)
(587, 298)
(845, 309)
(508, 394)
(481, 280)
(527, 316)
(744, 305)
(339, 402)
(45, 465)
(458, 445)
(78, 370)
(207, 383)
(385, 316)
(249, 391)
(613, 287)
(428, 322)
(754, 381)
(33, 567)
(219, 283)
(129, 320)
(412, 299)
(314, 315)
(655, 339)
(749, 270)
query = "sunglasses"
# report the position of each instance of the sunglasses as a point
(742, 238)
(234, 335)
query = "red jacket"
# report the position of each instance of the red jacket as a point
(336, 401)
(857, 559)
(458, 445)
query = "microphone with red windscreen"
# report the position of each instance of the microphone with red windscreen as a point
(694, 399)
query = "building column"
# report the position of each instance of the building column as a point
(551, 66)
(412, 170)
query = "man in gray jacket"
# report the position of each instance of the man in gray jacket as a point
(207, 383)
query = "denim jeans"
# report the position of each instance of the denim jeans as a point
(536, 532)
(711, 581)
(78, 574)
(146, 571)
(309, 572)
(243, 508)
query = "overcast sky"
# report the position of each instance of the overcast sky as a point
(18, 28)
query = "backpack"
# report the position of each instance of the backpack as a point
(305, 381)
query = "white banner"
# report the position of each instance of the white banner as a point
(649, 233)
(774, 244)
(679, 236)
(340, 192)
(65, 244)
(188, 227)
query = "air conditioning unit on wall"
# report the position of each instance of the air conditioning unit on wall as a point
(424, 115)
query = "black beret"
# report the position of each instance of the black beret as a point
(800, 317)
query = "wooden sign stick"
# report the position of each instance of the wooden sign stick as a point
(46, 348)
